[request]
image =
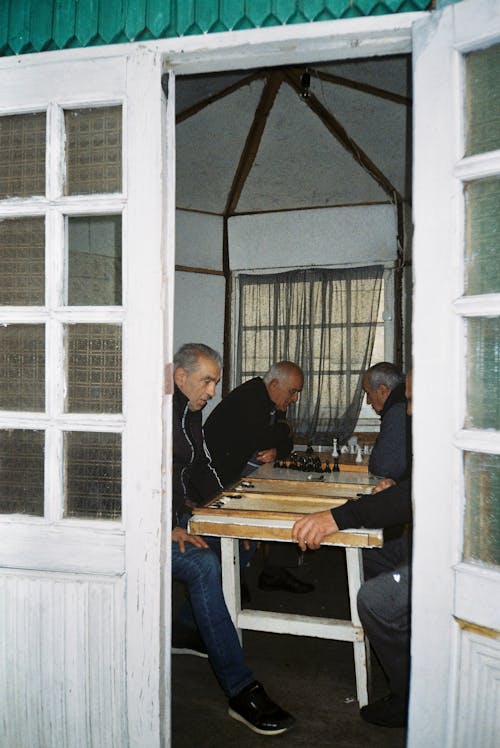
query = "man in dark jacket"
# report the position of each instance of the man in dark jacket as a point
(384, 386)
(196, 374)
(384, 600)
(248, 428)
(251, 422)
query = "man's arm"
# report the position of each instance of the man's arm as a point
(384, 509)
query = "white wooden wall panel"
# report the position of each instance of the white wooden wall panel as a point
(478, 713)
(62, 662)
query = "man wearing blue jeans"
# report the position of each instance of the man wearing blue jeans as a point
(194, 480)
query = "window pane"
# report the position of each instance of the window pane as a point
(22, 155)
(483, 373)
(22, 367)
(93, 150)
(483, 100)
(482, 490)
(482, 262)
(93, 475)
(21, 476)
(95, 261)
(22, 261)
(94, 368)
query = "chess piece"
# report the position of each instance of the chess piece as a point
(335, 452)
(359, 456)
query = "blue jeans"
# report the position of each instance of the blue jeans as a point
(199, 569)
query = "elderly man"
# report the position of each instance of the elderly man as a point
(384, 600)
(248, 428)
(383, 384)
(196, 374)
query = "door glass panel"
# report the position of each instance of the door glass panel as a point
(95, 261)
(482, 490)
(483, 100)
(483, 373)
(22, 367)
(94, 368)
(22, 155)
(482, 262)
(22, 261)
(93, 150)
(93, 474)
(21, 476)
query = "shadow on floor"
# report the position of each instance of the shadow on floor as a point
(311, 678)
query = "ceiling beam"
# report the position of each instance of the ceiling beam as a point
(253, 139)
(364, 87)
(195, 108)
(332, 124)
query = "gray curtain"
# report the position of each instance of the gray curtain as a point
(325, 321)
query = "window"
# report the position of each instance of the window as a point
(61, 314)
(328, 322)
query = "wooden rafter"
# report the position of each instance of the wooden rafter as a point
(358, 86)
(195, 108)
(340, 133)
(269, 93)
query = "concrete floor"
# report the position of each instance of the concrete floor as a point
(311, 678)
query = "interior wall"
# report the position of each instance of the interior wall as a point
(199, 296)
(328, 236)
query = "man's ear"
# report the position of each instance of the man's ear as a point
(384, 391)
(179, 376)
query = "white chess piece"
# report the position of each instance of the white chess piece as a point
(335, 452)
(359, 456)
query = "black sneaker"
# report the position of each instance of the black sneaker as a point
(187, 641)
(254, 708)
(387, 712)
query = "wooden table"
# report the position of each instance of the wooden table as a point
(264, 506)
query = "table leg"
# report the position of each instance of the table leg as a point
(362, 663)
(230, 561)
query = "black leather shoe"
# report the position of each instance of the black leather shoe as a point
(387, 712)
(254, 708)
(281, 579)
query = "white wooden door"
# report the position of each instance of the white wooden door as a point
(83, 337)
(455, 695)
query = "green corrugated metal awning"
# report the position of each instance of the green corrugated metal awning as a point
(41, 25)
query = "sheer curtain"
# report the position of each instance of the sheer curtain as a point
(325, 321)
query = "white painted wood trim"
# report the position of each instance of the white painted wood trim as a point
(478, 306)
(476, 595)
(478, 167)
(475, 440)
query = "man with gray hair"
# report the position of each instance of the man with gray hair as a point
(384, 386)
(194, 563)
(248, 428)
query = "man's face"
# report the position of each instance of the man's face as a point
(375, 396)
(286, 391)
(198, 385)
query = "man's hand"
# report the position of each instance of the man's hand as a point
(267, 455)
(181, 536)
(383, 484)
(310, 531)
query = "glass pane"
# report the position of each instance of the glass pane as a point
(21, 476)
(95, 261)
(22, 155)
(93, 475)
(22, 261)
(482, 262)
(483, 373)
(22, 367)
(94, 368)
(93, 150)
(483, 100)
(482, 490)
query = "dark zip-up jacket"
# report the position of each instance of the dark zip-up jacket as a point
(244, 422)
(389, 457)
(194, 478)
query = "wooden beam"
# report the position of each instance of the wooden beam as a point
(203, 271)
(195, 108)
(340, 133)
(364, 87)
(253, 139)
